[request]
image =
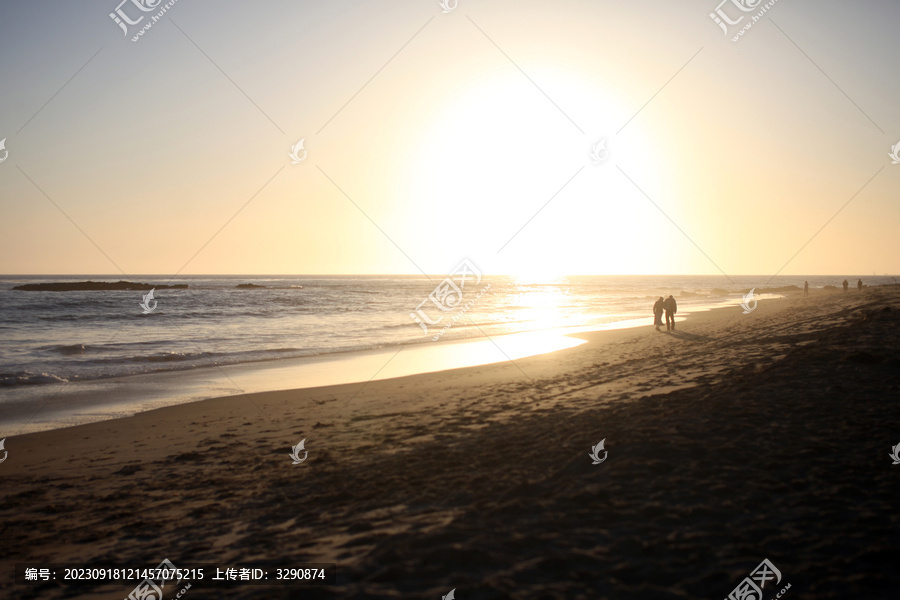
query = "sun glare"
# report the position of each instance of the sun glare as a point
(494, 155)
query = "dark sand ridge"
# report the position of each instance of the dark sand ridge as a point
(737, 438)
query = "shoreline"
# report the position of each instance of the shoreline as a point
(76, 403)
(151, 394)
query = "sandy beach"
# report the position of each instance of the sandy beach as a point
(733, 439)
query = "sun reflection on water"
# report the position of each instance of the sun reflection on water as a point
(544, 303)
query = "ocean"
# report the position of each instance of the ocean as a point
(51, 339)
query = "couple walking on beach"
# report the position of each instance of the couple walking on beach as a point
(859, 285)
(670, 307)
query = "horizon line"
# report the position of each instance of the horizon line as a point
(249, 275)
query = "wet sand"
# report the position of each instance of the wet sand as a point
(733, 439)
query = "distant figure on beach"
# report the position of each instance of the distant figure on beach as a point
(658, 308)
(671, 308)
(846, 284)
(859, 284)
(806, 288)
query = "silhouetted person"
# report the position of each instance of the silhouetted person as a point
(859, 284)
(658, 308)
(806, 288)
(671, 308)
(846, 284)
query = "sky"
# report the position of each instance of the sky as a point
(430, 137)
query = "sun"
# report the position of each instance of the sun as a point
(509, 177)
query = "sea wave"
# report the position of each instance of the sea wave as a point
(13, 379)
(80, 336)
(69, 350)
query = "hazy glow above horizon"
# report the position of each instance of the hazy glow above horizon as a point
(429, 147)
